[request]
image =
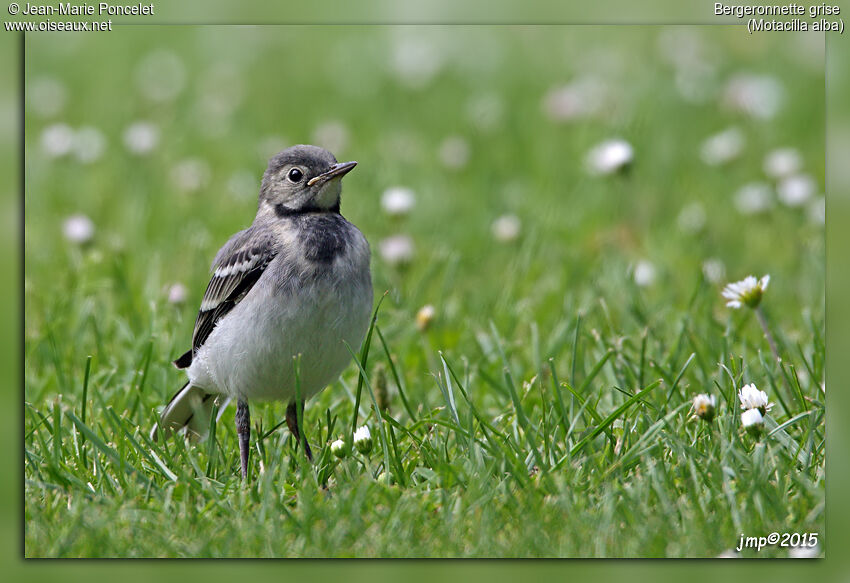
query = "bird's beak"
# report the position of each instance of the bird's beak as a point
(336, 171)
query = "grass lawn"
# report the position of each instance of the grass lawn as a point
(545, 409)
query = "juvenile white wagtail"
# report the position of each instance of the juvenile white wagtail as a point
(296, 282)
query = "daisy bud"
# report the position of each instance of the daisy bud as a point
(363, 440)
(424, 317)
(704, 407)
(338, 448)
(753, 421)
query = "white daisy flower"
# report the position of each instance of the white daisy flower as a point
(723, 147)
(704, 406)
(714, 270)
(338, 448)
(609, 157)
(331, 135)
(691, 218)
(190, 175)
(425, 316)
(401, 145)
(398, 201)
(396, 250)
(680, 47)
(242, 184)
(782, 162)
(78, 229)
(644, 273)
(753, 421)
(485, 111)
(752, 398)
(141, 137)
(57, 140)
(270, 145)
(581, 98)
(89, 144)
(454, 152)
(804, 552)
(415, 60)
(46, 96)
(754, 198)
(363, 440)
(758, 96)
(161, 76)
(506, 228)
(795, 190)
(221, 90)
(747, 292)
(177, 294)
(696, 83)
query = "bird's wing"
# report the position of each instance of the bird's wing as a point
(236, 268)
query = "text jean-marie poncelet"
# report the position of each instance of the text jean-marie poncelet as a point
(100, 9)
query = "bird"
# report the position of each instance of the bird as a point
(290, 296)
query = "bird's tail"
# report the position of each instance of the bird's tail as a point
(190, 410)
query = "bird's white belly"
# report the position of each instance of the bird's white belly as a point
(251, 352)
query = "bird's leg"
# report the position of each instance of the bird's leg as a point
(292, 423)
(243, 430)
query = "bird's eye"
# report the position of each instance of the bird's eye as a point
(295, 175)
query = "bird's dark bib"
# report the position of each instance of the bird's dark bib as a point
(323, 236)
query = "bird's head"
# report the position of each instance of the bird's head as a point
(303, 179)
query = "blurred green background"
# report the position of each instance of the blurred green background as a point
(159, 135)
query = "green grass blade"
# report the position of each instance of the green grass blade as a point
(361, 363)
(610, 419)
(396, 376)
